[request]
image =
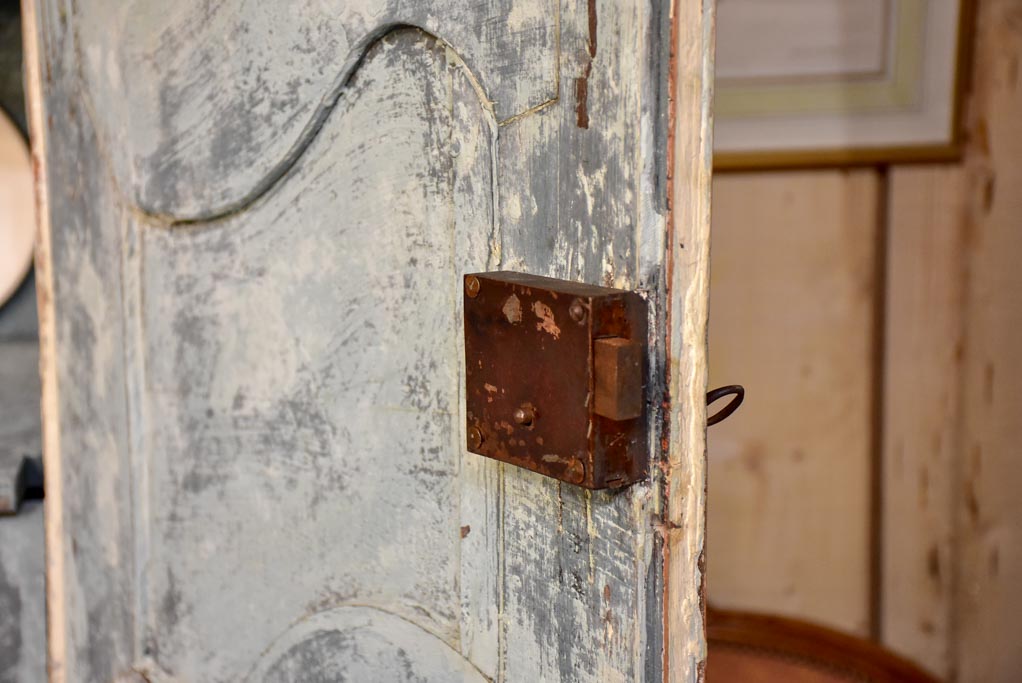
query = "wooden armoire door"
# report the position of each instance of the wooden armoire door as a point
(256, 217)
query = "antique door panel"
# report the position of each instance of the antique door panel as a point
(257, 221)
(302, 388)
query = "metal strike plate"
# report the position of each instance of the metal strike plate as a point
(555, 374)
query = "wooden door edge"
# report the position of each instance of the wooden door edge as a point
(690, 161)
(56, 641)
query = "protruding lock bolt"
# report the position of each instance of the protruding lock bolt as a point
(475, 438)
(472, 286)
(577, 311)
(524, 416)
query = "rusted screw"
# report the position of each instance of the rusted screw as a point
(576, 471)
(524, 416)
(472, 286)
(475, 438)
(577, 311)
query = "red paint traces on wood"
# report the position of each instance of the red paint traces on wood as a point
(582, 99)
(582, 83)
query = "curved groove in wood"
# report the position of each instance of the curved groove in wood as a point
(311, 235)
(319, 118)
(311, 132)
(156, 154)
(351, 619)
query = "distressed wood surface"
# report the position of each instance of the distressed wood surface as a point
(988, 508)
(349, 439)
(682, 533)
(255, 81)
(949, 513)
(793, 287)
(922, 404)
(251, 338)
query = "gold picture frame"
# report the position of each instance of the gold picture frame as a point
(752, 115)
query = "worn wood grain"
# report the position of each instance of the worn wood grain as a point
(922, 404)
(89, 562)
(272, 329)
(578, 214)
(989, 509)
(255, 81)
(793, 282)
(349, 440)
(949, 515)
(687, 279)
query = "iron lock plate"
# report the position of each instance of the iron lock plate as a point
(555, 375)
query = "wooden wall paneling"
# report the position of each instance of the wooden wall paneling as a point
(989, 505)
(921, 404)
(952, 525)
(949, 514)
(792, 317)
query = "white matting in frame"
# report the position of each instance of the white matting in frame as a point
(804, 81)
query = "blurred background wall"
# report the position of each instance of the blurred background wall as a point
(22, 581)
(873, 479)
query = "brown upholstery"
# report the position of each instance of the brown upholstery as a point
(755, 648)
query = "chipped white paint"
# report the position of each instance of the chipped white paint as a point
(284, 435)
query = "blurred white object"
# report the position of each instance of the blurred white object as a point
(17, 208)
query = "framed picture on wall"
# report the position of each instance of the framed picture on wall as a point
(825, 82)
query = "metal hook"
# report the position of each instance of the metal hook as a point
(739, 395)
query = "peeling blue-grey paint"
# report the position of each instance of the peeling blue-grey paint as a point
(268, 428)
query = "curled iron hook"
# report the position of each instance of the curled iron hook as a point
(737, 390)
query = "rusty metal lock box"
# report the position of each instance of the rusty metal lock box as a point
(555, 376)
